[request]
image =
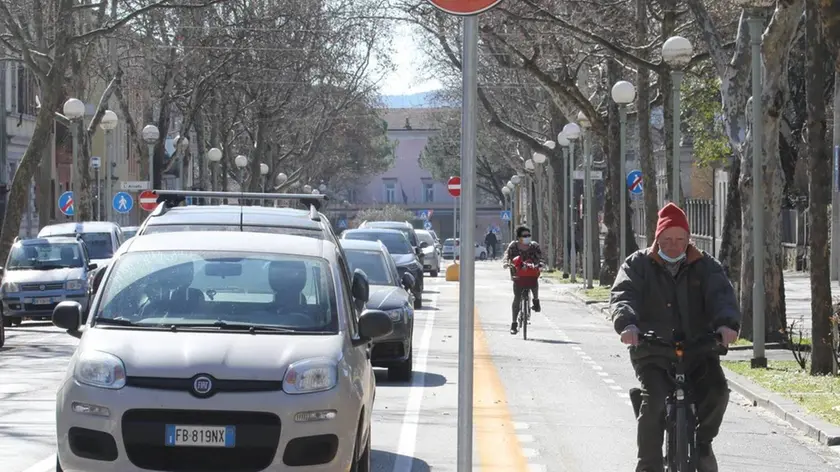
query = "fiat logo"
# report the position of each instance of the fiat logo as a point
(202, 385)
(43, 287)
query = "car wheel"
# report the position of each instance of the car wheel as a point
(402, 372)
(483, 256)
(418, 302)
(363, 464)
(58, 466)
(433, 273)
(16, 321)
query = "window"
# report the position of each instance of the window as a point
(428, 192)
(24, 89)
(99, 244)
(217, 289)
(373, 264)
(45, 256)
(395, 243)
(390, 188)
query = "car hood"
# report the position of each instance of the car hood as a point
(404, 259)
(224, 355)
(35, 276)
(386, 297)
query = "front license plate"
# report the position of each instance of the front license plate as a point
(200, 436)
(43, 301)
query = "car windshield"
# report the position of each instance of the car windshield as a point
(98, 244)
(45, 256)
(220, 289)
(408, 232)
(372, 263)
(425, 237)
(449, 242)
(312, 233)
(129, 233)
(395, 242)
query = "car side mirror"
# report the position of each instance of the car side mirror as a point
(418, 251)
(361, 286)
(408, 281)
(424, 245)
(93, 266)
(67, 315)
(373, 324)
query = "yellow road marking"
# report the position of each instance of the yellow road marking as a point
(495, 437)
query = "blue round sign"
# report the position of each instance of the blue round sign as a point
(122, 202)
(66, 204)
(427, 225)
(634, 181)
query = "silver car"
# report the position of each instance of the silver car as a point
(220, 351)
(431, 254)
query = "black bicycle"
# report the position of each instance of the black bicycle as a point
(524, 285)
(680, 409)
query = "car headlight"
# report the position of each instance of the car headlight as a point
(310, 375)
(397, 314)
(10, 287)
(74, 284)
(414, 266)
(100, 369)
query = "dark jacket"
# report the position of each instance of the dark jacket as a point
(698, 300)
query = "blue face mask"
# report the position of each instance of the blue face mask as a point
(525, 240)
(671, 259)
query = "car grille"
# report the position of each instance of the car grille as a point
(219, 385)
(34, 307)
(37, 287)
(257, 438)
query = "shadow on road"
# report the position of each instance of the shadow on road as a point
(429, 379)
(384, 461)
(551, 341)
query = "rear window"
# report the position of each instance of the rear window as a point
(312, 233)
(396, 243)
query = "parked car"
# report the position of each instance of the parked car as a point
(398, 246)
(403, 226)
(220, 351)
(390, 293)
(129, 231)
(452, 248)
(102, 238)
(431, 254)
(41, 272)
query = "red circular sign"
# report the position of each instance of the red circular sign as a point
(148, 200)
(465, 7)
(454, 186)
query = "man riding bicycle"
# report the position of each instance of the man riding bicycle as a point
(528, 252)
(672, 287)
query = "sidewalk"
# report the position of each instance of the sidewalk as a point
(798, 299)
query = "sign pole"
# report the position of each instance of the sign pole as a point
(469, 74)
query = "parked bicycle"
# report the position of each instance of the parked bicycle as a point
(680, 409)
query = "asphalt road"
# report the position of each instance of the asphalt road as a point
(556, 402)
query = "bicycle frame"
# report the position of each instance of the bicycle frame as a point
(524, 311)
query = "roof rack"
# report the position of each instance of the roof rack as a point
(171, 198)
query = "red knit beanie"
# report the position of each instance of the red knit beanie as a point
(671, 216)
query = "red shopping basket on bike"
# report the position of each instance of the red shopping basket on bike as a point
(526, 274)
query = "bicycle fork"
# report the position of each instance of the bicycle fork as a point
(680, 420)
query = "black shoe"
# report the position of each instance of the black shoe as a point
(536, 305)
(513, 327)
(706, 461)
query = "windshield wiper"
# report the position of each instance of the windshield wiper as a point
(236, 326)
(115, 321)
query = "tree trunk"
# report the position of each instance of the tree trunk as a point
(669, 24)
(645, 155)
(819, 170)
(830, 15)
(43, 197)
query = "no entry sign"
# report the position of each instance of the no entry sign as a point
(465, 7)
(148, 200)
(454, 186)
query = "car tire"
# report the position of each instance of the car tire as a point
(363, 464)
(58, 465)
(402, 372)
(7, 321)
(483, 256)
(16, 321)
(433, 273)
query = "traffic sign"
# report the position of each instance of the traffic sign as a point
(148, 200)
(465, 7)
(95, 162)
(122, 202)
(454, 186)
(634, 181)
(428, 225)
(424, 214)
(134, 185)
(66, 204)
(506, 215)
(342, 224)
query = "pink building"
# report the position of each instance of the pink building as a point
(408, 185)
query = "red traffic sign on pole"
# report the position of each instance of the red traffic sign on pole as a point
(148, 200)
(465, 7)
(454, 186)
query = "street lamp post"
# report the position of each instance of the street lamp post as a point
(540, 158)
(587, 200)
(214, 155)
(74, 110)
(241, 162)
(517, 202)
(182, 144)
(108, 123)
(307, 188)
(623, 93)
(280, 180)
(572, 132)
(150, 137)
(677, 52)
(529, 192)
(511, 192)
(756, 23)
(564, 143)
(506, 193)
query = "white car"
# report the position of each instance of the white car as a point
(453, 247)
(431, 254)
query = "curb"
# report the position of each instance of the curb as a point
(784, 408)
(596, 307)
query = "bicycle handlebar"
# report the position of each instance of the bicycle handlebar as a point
(708, 343)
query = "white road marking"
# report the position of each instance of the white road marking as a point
(537, 468)
(525, 438)
(530, 453)
(46, 465)
(519, 425)
(411, 419)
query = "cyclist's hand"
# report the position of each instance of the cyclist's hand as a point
(727, 335)
(630, 335)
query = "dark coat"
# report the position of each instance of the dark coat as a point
(698, 300)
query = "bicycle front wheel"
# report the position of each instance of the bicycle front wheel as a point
(526, 314)
(684, 442)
